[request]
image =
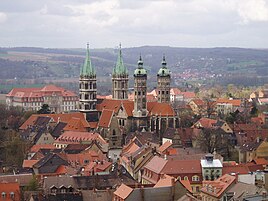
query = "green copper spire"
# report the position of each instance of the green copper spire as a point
(140, 71)
(87, 69)
(163, 71)
(119, 68)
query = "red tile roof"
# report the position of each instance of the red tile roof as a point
(9, 188)
(65, 118)
(75, 137)
(77, 124)
(218, 187)
(105, 118)
(123, 191)
(187, 185)
(156, 164)
(205, 122)
(234, 102)
(39, 92)
(165, 180)
(165, 146)
(175, 91)
(160, 109)
(29, 163)
(180, 167)
(238, 169)
(35, 148)
(260, 161)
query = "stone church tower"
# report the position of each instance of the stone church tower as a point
(163, 83)
(120, 78)
(87, 87)
(140, 91)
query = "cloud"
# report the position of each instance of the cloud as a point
(105, 23)
(253, 10)
(3, 17)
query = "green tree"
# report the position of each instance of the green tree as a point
(44, 109)
(33, 185)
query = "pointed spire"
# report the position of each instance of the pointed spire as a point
(164, 63)
(140, 71)
(163, 71)
(119, 68)
(140, 62)
(87, 69)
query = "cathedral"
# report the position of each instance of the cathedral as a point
(115, 118)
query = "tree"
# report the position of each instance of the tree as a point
(44, 109)
(211, 140)
(33, 185)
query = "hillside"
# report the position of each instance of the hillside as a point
(247, 66)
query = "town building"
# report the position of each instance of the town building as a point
(87, 87)
(32, 99)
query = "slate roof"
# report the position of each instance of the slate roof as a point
(58, 130)
(22, 179)
(142, 137)
(250, 146)
(49, 168)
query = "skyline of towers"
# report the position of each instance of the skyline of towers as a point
(120, 86)
(87, 86)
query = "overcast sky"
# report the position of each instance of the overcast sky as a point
(106, 23)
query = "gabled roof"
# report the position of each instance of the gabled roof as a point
(35, 148)
(29, 163)
(205, 122)
(105, 118)
(65, 118)
(51, 168)
(10, 187)
(238, 169)
(76, 137)
(77, 124)
(164, 181)
(198, 102)
(218, 187)
(160, 109)
(187, 185)
(260, 161)
(234, 102)
(156, 164)
(165, 146)
(182, 166)
(123, 191)
(175, 91)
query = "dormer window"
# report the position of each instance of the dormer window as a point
(3, 195)
(12, 195)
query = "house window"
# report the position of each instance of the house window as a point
(179, 178)
(63, 190)
(3, 195)
(195, 178)
(185, 178)
(12, 195)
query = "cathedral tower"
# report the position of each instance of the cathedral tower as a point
(140, 90)
(120, 78)
(163, 83)
(87, 86)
